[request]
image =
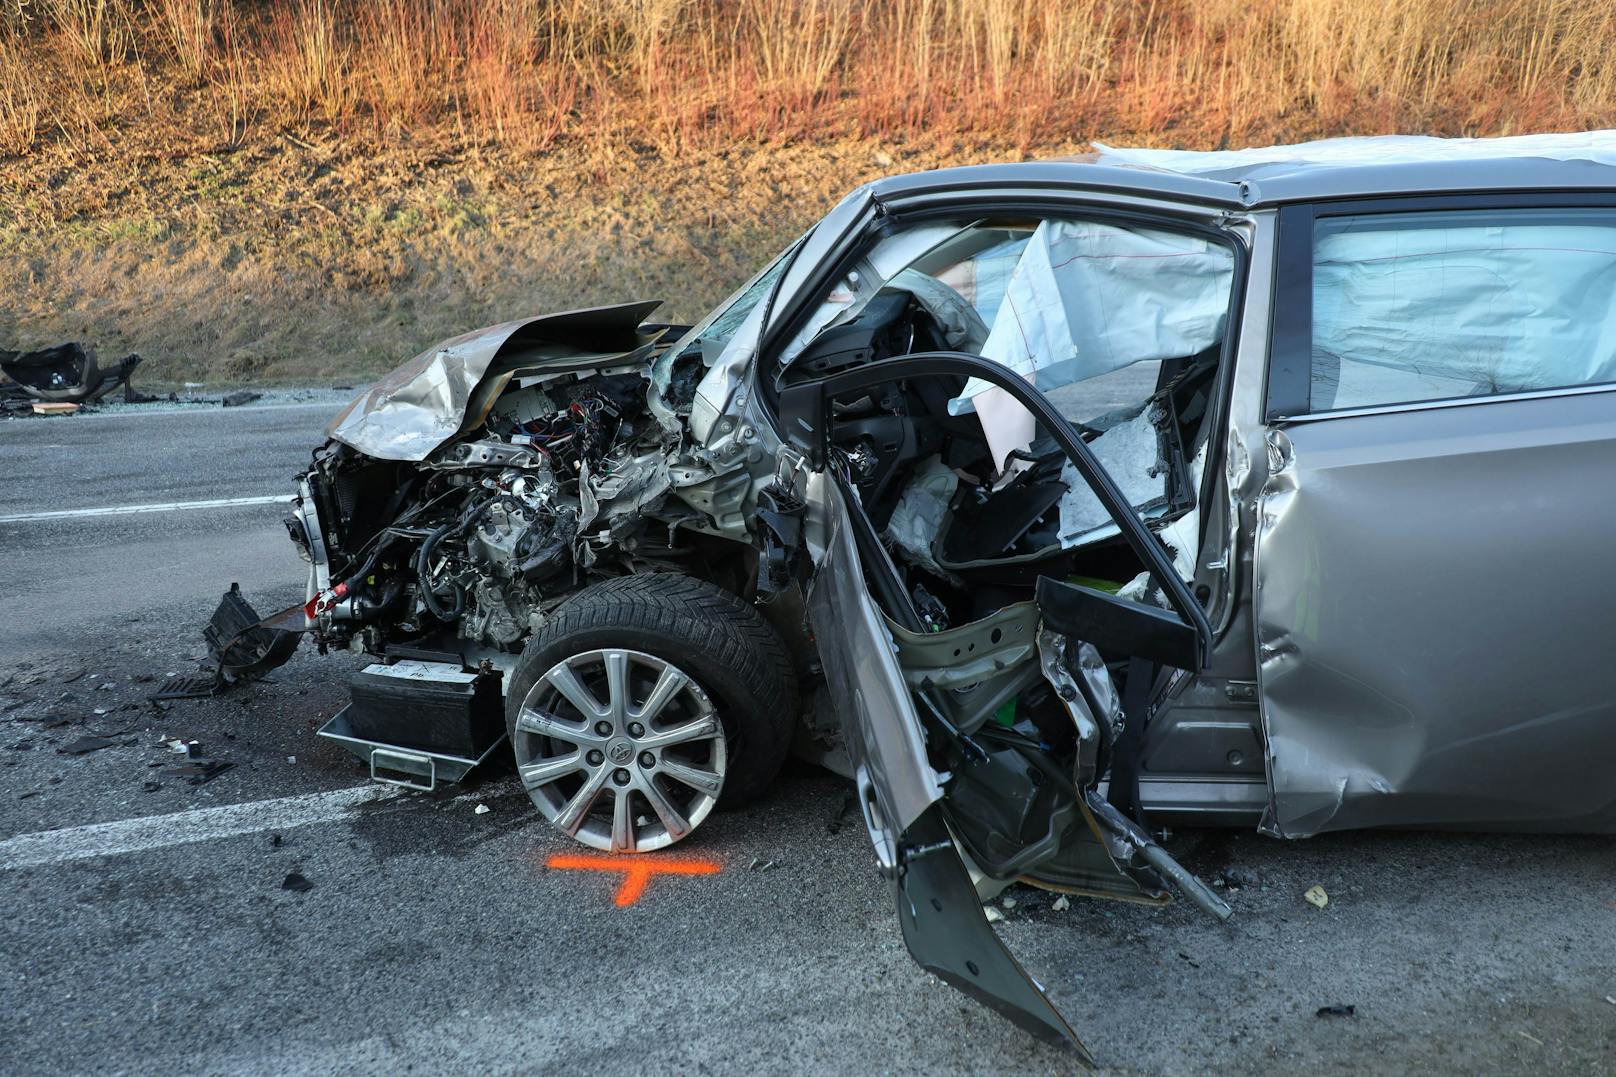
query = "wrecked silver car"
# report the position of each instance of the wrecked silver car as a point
(1048, 502)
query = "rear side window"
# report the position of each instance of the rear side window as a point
(1435, 305)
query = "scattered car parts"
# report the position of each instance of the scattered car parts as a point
(65, 374)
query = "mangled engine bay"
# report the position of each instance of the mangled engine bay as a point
(472, 539)
(557, 473)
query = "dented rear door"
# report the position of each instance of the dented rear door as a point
(1432, 596)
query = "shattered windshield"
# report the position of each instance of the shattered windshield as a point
(713, 332)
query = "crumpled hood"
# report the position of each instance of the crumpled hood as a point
(448, 388)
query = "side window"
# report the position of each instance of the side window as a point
(1438, 305)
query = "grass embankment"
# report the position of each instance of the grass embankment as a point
(313, 189)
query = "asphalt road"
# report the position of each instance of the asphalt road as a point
(147, 929)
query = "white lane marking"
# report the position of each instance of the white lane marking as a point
(186, 827)
(164, 506)
(147, 411)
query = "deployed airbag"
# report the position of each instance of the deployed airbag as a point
(1088, 298)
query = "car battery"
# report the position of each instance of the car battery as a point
(431, 707)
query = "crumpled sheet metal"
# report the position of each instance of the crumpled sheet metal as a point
(1413, 672)
(410, 412)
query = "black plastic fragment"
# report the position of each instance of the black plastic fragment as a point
(1336, 1011)
(239, 641)
(296, 883)
(190, 686)
(199, 771)
(85, 745)
(240, 397)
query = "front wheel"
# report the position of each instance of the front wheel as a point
(644, 702)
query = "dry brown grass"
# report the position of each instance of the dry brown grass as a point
(286, 188)
(525, 74)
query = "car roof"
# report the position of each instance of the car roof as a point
(1326, 170)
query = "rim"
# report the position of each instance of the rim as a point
(620, 750)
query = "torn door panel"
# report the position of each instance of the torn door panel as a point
(1396, 690)
(883, 733)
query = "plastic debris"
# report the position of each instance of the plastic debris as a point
(1335, 1011)
(86, 745)
(1062, 903)
(1008, 902)
(759, 864)
(198, 771)
(1528, 1036)
(994, 915)
(292, 759)
(150, 787)
(244, 396)
(1316, 897)
(296, 883)
(481, 809)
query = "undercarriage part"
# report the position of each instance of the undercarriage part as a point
(239, 642)
(642, 702)
(66, 373)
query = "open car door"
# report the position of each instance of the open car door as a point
(944, 790)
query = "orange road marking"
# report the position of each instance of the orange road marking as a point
(637, 870)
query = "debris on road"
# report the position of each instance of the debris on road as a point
(296, 883)
(64, 374)
(150, 787)
(188, 686)
(1316, 897)
(240, 397)
(1336, 1011)
(41, 407)
(759, 864)
(199, 771)
(1008, 902)
(1528, 1036)
(86, 745)
(481, 809)
(1062, 903)
(836, 821)
(993, 914)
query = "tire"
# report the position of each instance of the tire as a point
(720, 641)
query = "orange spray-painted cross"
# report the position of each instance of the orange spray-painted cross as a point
(637, 870)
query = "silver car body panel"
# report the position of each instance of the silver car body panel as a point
(1432, 627)
(414, 409)
(883, 733)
